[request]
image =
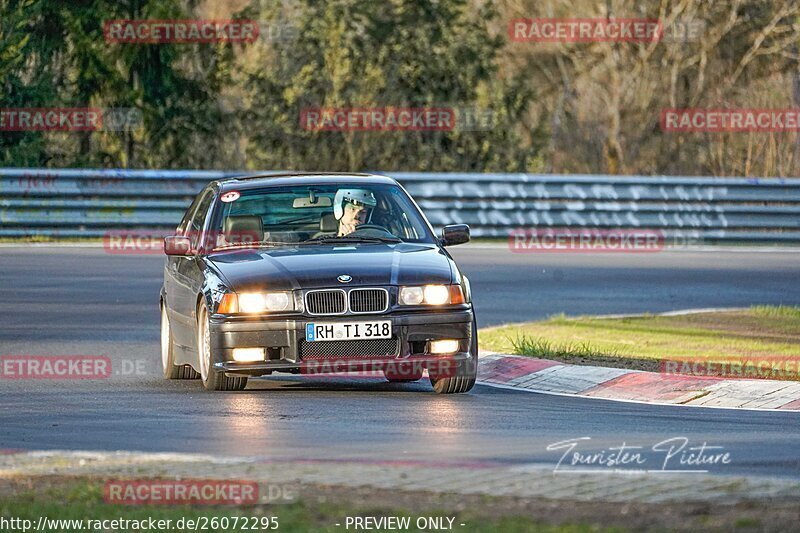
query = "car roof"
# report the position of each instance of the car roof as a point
(258, 181)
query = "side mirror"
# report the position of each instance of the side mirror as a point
(455, 234)
(177, 245)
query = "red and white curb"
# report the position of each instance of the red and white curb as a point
(553, 377)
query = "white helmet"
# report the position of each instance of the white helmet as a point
(361, 197)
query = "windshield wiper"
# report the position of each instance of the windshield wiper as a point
(345, 240)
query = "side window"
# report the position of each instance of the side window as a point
(184, 224)
(199, 217)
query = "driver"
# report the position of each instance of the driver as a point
(352, 208)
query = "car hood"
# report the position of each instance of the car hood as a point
(317, 266)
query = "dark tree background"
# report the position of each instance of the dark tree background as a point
(564, 107)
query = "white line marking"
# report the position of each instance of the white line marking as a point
(701, 249)
(632, 471)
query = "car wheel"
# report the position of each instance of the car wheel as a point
(171, 370)
(466, 372)
(212, 380)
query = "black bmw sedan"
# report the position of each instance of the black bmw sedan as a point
(312, 274)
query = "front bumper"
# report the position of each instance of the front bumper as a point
(282, 337)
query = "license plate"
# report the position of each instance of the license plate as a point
(348, 331)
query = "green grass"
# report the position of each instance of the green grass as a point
(748, 523)
(779, 312)
(539, 347)
(641, 342)
(84, 500)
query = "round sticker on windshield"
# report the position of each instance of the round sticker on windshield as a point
(230, 196)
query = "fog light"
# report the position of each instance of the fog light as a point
(248, 355)
(444, 346)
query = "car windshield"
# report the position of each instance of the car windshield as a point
(319, 214)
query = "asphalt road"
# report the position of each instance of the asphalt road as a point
(64, 301)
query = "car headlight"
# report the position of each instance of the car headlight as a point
(431, 295)
(256, 302)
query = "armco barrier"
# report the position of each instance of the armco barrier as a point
(87, 203)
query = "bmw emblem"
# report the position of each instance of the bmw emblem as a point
(344, 278)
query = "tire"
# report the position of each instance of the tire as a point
(211, 379)
(171, 370)
(466, 372)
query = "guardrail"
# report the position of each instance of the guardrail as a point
(88, 203)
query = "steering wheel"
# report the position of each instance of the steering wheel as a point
(373, 230)
(374, 227)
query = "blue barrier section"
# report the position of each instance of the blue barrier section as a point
(87, 203)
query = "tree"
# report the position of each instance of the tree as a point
(54, 54)
(374, 53)
(606, 97)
